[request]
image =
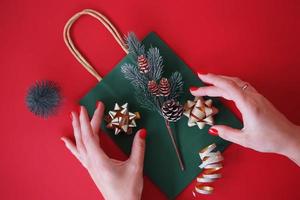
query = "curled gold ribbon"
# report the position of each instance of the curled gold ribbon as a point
(211, 165)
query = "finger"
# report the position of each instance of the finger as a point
(71, 146)
(89, 140)
(77, 132)
(97, 117)
(211, 91)
(240, 82)
(235, 79)
(117, 162)
(138, 148)
(228, 133)
(232, 90)
(219, 81)
(86, 128)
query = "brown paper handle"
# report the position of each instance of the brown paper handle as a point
(108, 25)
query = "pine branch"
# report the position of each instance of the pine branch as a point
(151, 68)
(134, 45)
(140, 83)
(147, 100)
(155, 63)
(176, 85)
(132, 74)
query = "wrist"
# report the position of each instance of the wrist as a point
(135, 195)
(123, 197)
(292, 150)
(117, 195)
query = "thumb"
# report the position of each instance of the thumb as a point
(138, 148)
(228, 133)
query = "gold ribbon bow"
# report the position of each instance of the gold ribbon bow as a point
(200, 112)
(120, 119)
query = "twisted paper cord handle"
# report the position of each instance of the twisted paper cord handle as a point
(108, 25)
(211, 165)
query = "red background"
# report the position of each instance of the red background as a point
(253, 39)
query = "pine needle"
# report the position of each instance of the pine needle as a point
(155, 63)
(134, 45)
(176, 85)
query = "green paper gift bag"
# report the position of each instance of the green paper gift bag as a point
(161, 164)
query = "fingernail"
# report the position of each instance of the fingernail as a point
(143, 133)
(213, 131)
(200, 72)
(193, 88)
(62, 139)
(98, 104)
(71, 116)
(81, 108)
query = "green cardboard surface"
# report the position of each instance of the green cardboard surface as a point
(161, 164)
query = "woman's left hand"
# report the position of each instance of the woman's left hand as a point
(115, 179)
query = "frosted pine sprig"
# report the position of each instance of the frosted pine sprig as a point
(140, 75)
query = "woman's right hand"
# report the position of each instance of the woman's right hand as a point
(114, 178)
(265, 128)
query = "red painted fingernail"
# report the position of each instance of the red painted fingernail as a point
(201, 72)
(98, 104)
(81, 109)
(71, 116)
(213, 131)
(193, 88)
(143, 133)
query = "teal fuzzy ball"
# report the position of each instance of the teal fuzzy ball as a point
(43, 98)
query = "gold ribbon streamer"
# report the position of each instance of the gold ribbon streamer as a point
(211, 165)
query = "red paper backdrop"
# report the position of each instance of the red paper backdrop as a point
(254, 39)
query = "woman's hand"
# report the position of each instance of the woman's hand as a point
(265, 128)
(115, 179)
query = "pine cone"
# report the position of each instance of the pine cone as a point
(164, 87)
(153, 88)
(172, 110)
(143, 64)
